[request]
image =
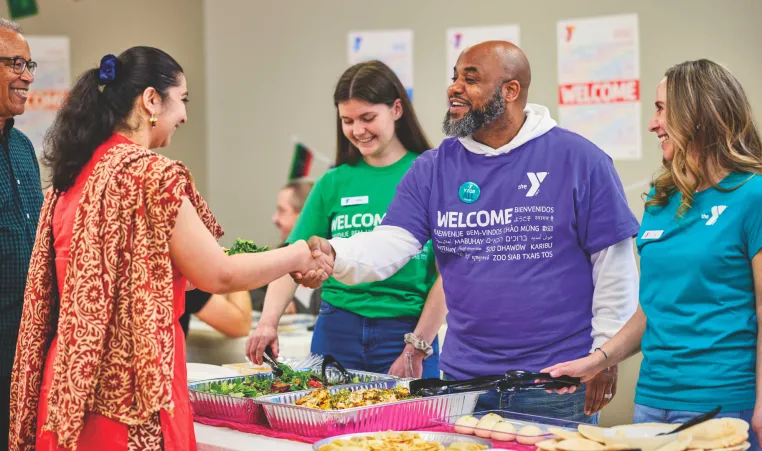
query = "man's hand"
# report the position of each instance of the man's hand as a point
(400, 367)
(601, 389)
(323, 256)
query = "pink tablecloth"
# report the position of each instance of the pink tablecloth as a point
(267, 431)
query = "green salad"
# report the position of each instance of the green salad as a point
(252, 387)
(242, 246)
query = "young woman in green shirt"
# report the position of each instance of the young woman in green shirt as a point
(366, 326)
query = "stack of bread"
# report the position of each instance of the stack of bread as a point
(722, 434)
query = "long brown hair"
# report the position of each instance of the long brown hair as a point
(711, 126)
(374, 82)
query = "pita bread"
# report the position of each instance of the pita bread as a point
(564, 433)
(742, 447)
(547, 445)
(714, 429)
(721, 442)
(590, 432)
(682, 443)
(579, 444)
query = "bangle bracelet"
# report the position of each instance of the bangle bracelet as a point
(604, 352)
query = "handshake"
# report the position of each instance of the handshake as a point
(315, 263)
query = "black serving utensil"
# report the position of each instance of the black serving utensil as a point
(520, 380)
(695, 420)
(437, 387)
(511, 381)
(270, 360)
(346, 378)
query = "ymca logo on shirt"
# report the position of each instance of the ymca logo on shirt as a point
(357, 200)
(535, 180)
(716, 212)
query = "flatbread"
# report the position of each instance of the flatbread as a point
(614, 447)
(721, 442)
(547, 445)
(739, 424)
(716, 428)
(591, 432)
(579, 444)
(742, 447)
(564, 434)
(684, 440)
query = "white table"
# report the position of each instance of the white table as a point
(210, 438)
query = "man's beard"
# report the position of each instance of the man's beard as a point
(475, 119)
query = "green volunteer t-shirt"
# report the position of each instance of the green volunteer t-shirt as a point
(351, 199)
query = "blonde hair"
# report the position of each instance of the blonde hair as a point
(710, 125)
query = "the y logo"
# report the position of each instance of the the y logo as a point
(358, 41)
(569, 32)
(535, 178)
(716, 212)
(458, 37)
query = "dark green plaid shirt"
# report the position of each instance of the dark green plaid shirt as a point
(20, 203)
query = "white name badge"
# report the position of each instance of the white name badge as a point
(358, 200)
(652, 234)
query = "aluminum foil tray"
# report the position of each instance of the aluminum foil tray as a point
(445, 438)
(410, 414)
(248, 410)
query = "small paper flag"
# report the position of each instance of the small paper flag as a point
(301, 162)
(22, 8)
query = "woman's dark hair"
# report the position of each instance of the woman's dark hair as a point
(375, 83)
(96, 107)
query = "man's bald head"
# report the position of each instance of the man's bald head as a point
(489, 90)
(500, 61)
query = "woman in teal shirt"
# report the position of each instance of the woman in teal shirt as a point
(701, 271)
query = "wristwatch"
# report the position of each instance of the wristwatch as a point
(419, 344)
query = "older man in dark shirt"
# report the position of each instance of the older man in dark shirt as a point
(20, 201)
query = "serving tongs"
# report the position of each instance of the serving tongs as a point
(511, 381)
(520, 380)
(346, 378)
(270, 360)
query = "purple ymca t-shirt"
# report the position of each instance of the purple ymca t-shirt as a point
(513, 235)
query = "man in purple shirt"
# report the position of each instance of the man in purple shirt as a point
(532, 234)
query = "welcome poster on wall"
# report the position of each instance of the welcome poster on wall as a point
(599, 82)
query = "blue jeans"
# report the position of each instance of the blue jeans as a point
(645, 414)
(366, 344)
(538, 403)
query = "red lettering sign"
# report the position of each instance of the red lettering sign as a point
(615, 91)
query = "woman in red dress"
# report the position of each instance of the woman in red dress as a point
(100, 361)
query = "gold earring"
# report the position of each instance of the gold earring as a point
(153, 120)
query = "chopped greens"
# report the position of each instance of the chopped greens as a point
(242, 246)
(253, 387)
